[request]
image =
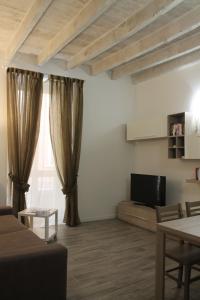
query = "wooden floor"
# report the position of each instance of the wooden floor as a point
(111, 260)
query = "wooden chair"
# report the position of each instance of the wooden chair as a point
(184, 254)
(192, 208)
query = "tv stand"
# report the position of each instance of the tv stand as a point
(139, 215)
(139, 204)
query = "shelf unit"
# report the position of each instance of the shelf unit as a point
(179, 129)
(176, 142)
(147, 129)
(193, 180)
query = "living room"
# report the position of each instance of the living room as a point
(109, 258)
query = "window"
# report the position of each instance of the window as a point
(45, 187)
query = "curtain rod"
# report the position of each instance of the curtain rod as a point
(45, 75)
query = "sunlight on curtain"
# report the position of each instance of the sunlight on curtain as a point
(45, 189)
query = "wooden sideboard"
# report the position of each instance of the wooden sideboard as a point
(141, 216)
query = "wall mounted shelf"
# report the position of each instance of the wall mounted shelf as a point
(147, 129)
(193, 180)
(183, 141)
(179, 129)
(176, 140)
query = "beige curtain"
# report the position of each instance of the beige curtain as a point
(66, 113)
(24, 97)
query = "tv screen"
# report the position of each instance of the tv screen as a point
(148, 190)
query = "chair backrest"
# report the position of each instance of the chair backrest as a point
(169, 213)
(192, 208)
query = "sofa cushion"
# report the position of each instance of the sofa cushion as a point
(9, 223)
(29, 268)
(20, 242)
(6, 210)
(32, 272)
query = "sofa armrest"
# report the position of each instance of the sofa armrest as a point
(38, 273)
(6, 210)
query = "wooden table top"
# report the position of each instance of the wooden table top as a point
(186, 228)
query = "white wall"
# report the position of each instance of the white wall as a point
(169, 93)
(3, 138)
(105, 158)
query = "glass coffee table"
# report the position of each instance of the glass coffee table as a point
(41, 213)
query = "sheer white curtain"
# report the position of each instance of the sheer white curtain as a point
(45, 189)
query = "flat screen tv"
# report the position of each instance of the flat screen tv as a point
(148, 190)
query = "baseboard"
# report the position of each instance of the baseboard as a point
(98, 218)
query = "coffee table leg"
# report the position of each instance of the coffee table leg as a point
(46, 229)
(19, 217)
(31, 222)
(56, 223)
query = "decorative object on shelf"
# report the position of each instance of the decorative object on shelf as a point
(176, 129)
(179, 129)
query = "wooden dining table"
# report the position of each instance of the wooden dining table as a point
(187, 229)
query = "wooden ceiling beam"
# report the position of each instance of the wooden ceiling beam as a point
(130, 26)
(29, 21)
(161, 36)
(85, 17)
(156, 71)
(161, 55)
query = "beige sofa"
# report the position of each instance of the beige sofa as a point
(30, 269)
